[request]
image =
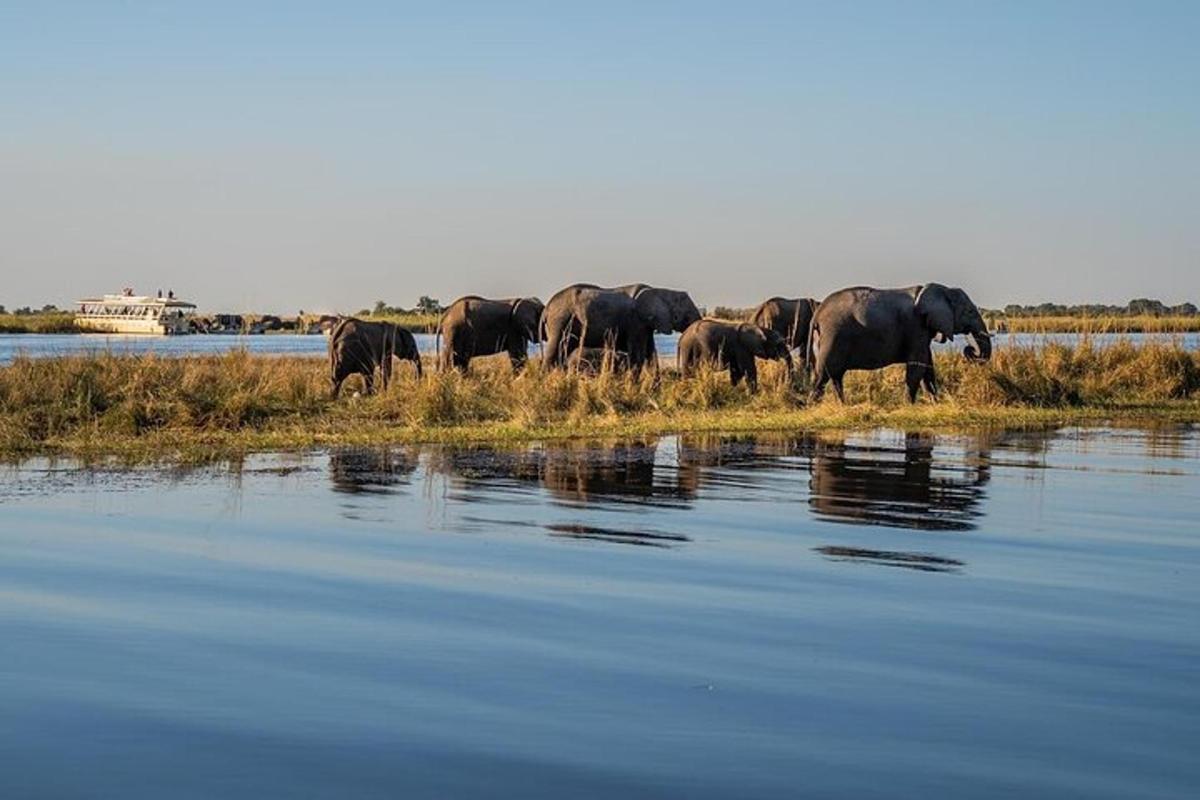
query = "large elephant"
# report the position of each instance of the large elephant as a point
(865, 328)
(475, 326)
(360, 347)
(790, 318)
(863, 486)
(730, 345)
(591, 313)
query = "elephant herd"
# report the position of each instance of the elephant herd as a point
(858, 328)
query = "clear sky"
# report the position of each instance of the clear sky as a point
(267, 156)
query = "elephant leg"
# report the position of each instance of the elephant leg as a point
(913, 374)
(553, 348)
(651, 352)
(643, 355)
(929, 380)
(821, 376)
(385, 373)
(735, 374)
(462, 361)
(818, 389)
(518, 356)
(368, 383)
(838, 389)
(568, 340)
(335, 385)
(751, 370)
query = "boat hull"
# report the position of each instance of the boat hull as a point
(142, 327)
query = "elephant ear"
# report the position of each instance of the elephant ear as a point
(526, 315)
(654, 310)
(935, 311)
(754, 337)
(684, 311)
(776, 342)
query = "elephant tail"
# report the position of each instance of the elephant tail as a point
(814, 342)
(542, 336)
(437, 338)
(334, 333)
(416, 353)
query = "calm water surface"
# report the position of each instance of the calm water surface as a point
(41, 345)
(884, 615)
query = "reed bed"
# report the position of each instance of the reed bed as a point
(414, 321)
(238, 400)
(38, 323)
(1144, 323)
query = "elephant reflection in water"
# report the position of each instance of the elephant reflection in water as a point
(618, 472)
(587, 476)
(905, 489)
(370, 470)
(732, 460)
(573, 472)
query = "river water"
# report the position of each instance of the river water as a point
(1008, 614)
(40, 345)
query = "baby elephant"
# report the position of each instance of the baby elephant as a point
(732, 346)
(476, 326)
(358, 347)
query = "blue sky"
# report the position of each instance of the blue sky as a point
(323, 155)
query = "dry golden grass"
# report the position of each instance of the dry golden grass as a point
(236, 400)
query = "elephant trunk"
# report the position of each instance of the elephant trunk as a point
(979, 348)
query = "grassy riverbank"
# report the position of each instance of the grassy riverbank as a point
(147, 404)
(413, 321)
(38, 323)
(1094, 325)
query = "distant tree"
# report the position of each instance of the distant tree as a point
(381, 308)
(736, 314)
(1182, 310)
(1143, 305)
(23, 311)
(429, 305)
(3, 310)
(49, 308)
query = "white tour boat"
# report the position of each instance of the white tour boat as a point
(130, 313)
